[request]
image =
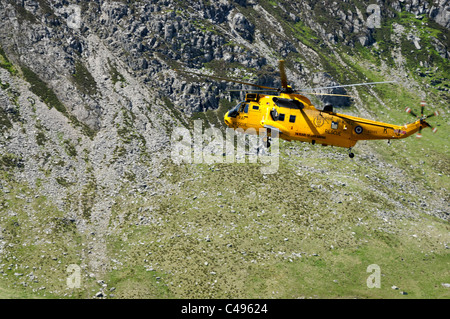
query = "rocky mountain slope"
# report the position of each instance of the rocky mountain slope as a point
(89, 97)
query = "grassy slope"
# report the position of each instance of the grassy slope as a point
(243, 237)
(311, 230)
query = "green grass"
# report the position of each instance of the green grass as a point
(311, 230)
(16, 293)
(235, 232)
(84, 80)
(343, 273)
(44, 244)
(6, 64)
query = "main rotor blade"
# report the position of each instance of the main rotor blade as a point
(324, 94)
(349, 85)
(283, 74)
(251, 90)
(226, 79)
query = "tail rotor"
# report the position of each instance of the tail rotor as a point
(422, 118)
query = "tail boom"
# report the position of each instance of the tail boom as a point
(384, 131)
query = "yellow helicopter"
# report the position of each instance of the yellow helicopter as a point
(294, 118)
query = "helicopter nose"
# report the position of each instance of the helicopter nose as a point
(227, 120)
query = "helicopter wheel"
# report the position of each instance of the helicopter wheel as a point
(350, 153)
(266, 141)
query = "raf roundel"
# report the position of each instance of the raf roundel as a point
(358, 129)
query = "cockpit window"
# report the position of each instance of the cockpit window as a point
(235, 110)
(246, 108)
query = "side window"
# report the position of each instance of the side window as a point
(292, 119)
(334, 125)
(256, 107)
(281, 117)
(246, 108)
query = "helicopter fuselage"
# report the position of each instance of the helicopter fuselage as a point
(296, 119)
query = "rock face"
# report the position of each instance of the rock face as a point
(150, 38)
(89, 92)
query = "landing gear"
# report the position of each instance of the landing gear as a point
(350, 154)
(266, 139)
(263, 144)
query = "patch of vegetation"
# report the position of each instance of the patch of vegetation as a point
(171, 107)
(5, 123)
(305, 34)
(126, 131)
(63, 182)
(45, 7)
(8, 161)
(41, 89)
(41, 138)
(70, 148)
(116, 76)
(136, 282)
(23, 14)
(205, 26)
(6, 64)
(84, 80)
(4, 86)
(120, 151)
